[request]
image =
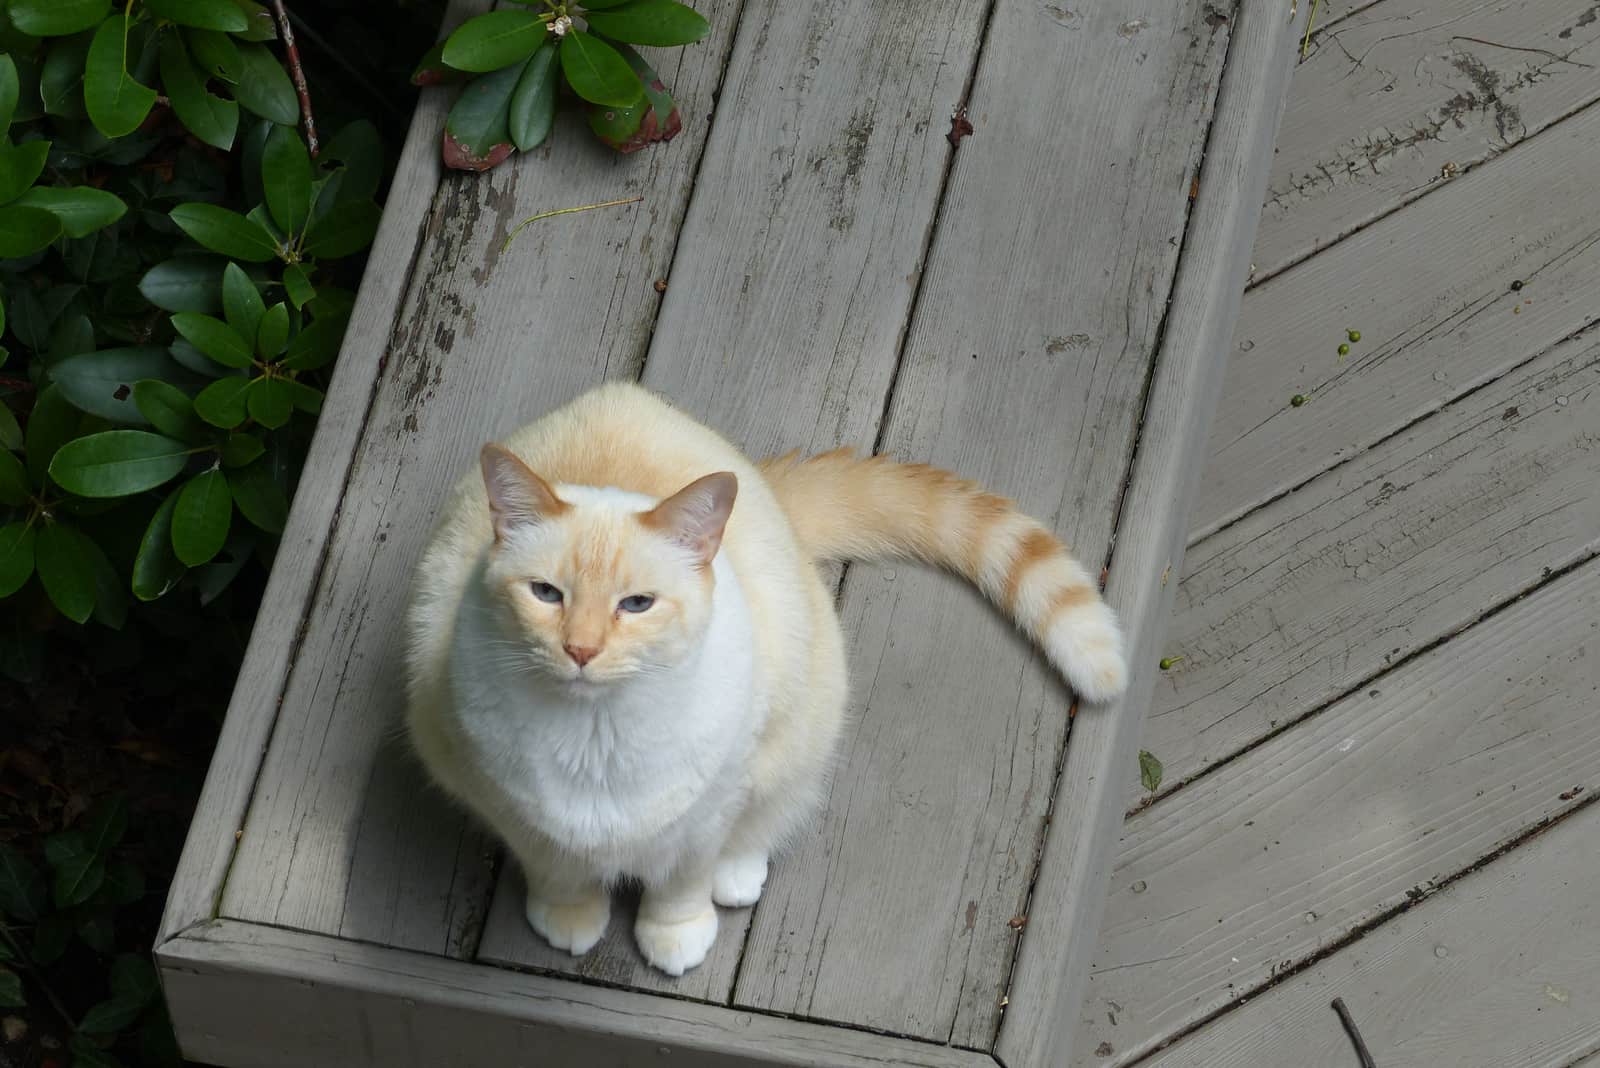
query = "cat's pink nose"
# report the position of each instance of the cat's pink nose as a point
(581, 654)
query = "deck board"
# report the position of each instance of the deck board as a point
(1309, 597)
(1030, 293)
(792, 286)
(1496, 971)
(1429, 289)
(1327, 827)
(1393, 95)
(338, 820)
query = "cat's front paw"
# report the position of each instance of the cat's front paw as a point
(675, 946)
(575, 926)
(739, 879)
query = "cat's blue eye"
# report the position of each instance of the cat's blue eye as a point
(639, 602)
(546, 593)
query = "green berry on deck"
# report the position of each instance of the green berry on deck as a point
(1354, 335)
(1344, 350)
(1298, 399)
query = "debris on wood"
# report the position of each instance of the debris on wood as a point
(1167, 662)
(1297, 400)
(1150, 771)
(563, 211)
(959, 127)
(1568, 795)
(1017, 923)
(1362, 1053)
(661, 285)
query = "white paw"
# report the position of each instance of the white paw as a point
(676, 946)
(572, 927)
(739, 879)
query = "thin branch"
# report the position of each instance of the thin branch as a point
(563, 211)
(21, 385)
(1362, 1053)
(297, 73)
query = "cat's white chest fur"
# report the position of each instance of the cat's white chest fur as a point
(626, 775)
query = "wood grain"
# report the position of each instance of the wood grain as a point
(896, 914)
(276, 636)
(791, 288)
(1327, 827)
(343, 835)
(1493, 972)
(1430, 290)
(1404, 93)
(258, 997)
(1308, 597)
(1063, 915)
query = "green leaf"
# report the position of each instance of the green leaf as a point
(82, 209)
(168, 409)
(85, 1054)
(214, 53)
(264, 88)
(57, 18)
(495, 40)
(101, 383)
(271, 402)
(14, 484)
(200, 524)
(24, 231)
(156, 568)
(306, 398)
(10, 89)
(346, 231)
(431, 69)
(97, 931)
(359, 148)
(19, 166)
(52, 424)
(1149, 771)
(601, 5)
(477, 134)
(213, 337)
(317, 344)
(73, 334)
(227, 232)
(110, 1016)
(211, 580)
(10, 431)
(123, 885)
(22, 888)
(106, 823)
(51, 937)
(286, 178)
(183, 284)
(297, 285)
(241, 301)
(117, 103)
(116, 463)
(66, 571)
(651, 22)
(211, 118)
(259, 497)
(61, 76)
(533, 103)
(11, 989)
(110, 595)
(241, 449)
(221, 15)
(133, 976)
(274, 332)
(262, 25)
(16, 563)
(222, 403)
(597, 72)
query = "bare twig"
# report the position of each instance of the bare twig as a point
(563, 211)
(296, 72)
(21, 385)
(1345, 1018)
(1311, 20)
(1518, 48)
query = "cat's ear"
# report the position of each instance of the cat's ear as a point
(517, 496)
(695, 516)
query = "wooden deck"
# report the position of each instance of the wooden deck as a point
(1045, 307)
(1381, 739)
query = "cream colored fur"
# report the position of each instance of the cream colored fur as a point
(697, 734)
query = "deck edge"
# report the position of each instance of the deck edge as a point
(1053, 961)
(357, 1005)
(230, 781)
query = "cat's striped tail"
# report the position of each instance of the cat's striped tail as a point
(843, 507)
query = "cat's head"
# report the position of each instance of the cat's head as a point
(600, 586)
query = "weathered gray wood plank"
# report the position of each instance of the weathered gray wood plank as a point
(258, 997)
(1429, 289)
(276, 637)
(1064, 913)
(1304, 599)
(487, 339)
(792, 285)
(1496, 971)
(1025, 367)
(1325, 828)
(1405, 92)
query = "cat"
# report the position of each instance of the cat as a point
(624, 659)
